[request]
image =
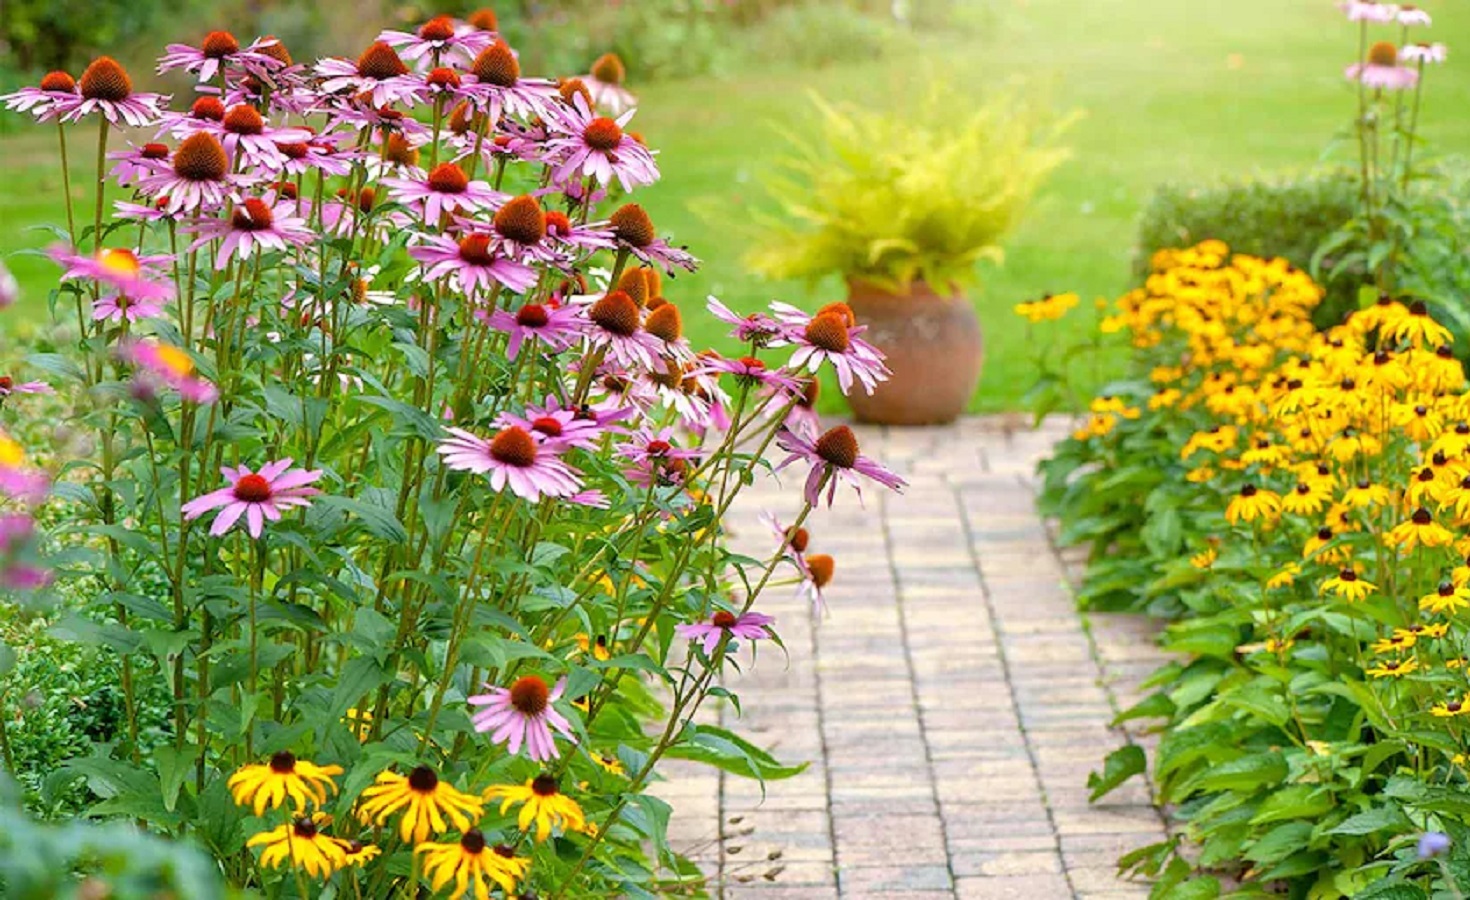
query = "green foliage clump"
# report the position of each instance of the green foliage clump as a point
(893, 198)
(813, 35)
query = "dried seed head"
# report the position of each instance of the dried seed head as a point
(616, 313)
(821, 566)
(276, 50)
(1383, 53)
(59, 82)
(570, 88)
(210, 108)
(105, 79)
(244, 119)
(828, 331)
(839, 447)
(380, 62)
(603, 134)
(201, 157)
(514, 446)
(251, 215)
(439, 28)
(632, 226)
(483, 19)
(529, 694)
(448, 178)
(497, 65)
(442, 77)
(521, 220)
(665, 323)
(219, 44)
(400, 151)
(609, 68)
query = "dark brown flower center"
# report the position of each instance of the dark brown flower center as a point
(616, 313)
(423, 780)
(473, 842)
(632, 226)
(400, 152)
(529, 694)
(1347, 575)
(294, 150)
(521, 220)
(514, 446)
(58, 82)
(252, 488)
(822, 567)
(1422, 516)
(547, 425)
(304, 827)
(154, 151)
(439, 28)
(609, 68)
(798, 538)
(201, 157)
(448, 178)
(724, 619)
(545, 786)
(828, 331)
(1383, 53)
(283, 763)
(1248, 491)
(252, 215)
(665, 323)
(497, 65)
(532, 315)
(475, 249)
(219, 44)
(442, 77)
(380, 62)
(603, 134)
(839, 447)
(106, 79)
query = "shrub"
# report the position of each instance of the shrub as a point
(1294, 500)
(375, 457)
(812, 35)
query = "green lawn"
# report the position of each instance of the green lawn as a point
(1170, 91)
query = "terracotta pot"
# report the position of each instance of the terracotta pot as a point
(934, 347)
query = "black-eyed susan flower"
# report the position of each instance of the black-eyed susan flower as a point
(1284, 577)
(424, 800)
(1366, 494)
(596, 646)
(301, 844)
(1251, 504)
(1417, 327)
(1047, 309)
(1450, 709)
(1449, 598)
(543, 805)
(1216, 440)
(1395, 643)
(1419, 530)
(1307, 498)
(1348, 585)
(470, 863)
(1394, 668)
(356, 853)
(1205, 558)
(608, 763)
(267, 785)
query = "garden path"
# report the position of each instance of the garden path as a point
(951, 705)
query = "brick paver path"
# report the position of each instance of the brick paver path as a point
(951, 705)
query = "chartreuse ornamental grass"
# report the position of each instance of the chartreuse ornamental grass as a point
(1298, 502)
(373, 457)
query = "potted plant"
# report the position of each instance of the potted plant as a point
(903, 207)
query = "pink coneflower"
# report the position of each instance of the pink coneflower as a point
(519, 231)
(750, 626)
(122, 308)
(514, 458)
(1368, 11)
(136, 163)
(320, 154)
(1424, 53)
(171, 366)
(556, 327)
(257, 496)
(833, 456)
(522, 714)
(19, 481)
(494, 86)
(138, 212)
(596, 146)
(749, 372)
(832, 336)
(446, 190)
(561, 229)
(220, 50)
(10, 386)
(55, 95)
(1409, 14)
(378, 73)
(106, 88)
(816, 573)
(119, 268)
(244, 133)
(1382, 71)
(9, 288)
(253, 225)
(555, 427)
(614, 323)
(471, 264)
(440, 40)
(647, 443)
(634, 232)
(605, 84)
(757, 329)
(802, 418)
(198, 178)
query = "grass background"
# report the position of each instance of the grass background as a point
(1169, 91)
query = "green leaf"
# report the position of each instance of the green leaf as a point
(1396, 890)
(379, 522)
(1154, 706)
(1120, 765)
(361, 675)
(173, 768)
(1372, 821)
(1244, 774)
(1300, 801)
(1280, 842)
(731, 753)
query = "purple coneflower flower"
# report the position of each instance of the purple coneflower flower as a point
(605, 84)
(170, 365)
(440, 40)
(597, 147)
(106, 88)
(495, 87)
(647, 444)
(834, 456)
(471, 264)
(522, 714)
(1382, 71)
(514, 458)
(257, 496)
(802, 417)
(757, 328)
(122, 308)
(556, 427)
(220, 50)
(1408, 14)
(9, 287)
(832, 336)
(1424, 53)
(136, 163)
(560, 228)
(9, 386)
(1368, 11)
(446, 190)
(379, 73)
(253, 225)
(197, 180)
(614, 323)
(751, 626)
(634, 232)
(56, 94)
(750, 372)
(121, 269)
(556, 327)
(320, 154)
